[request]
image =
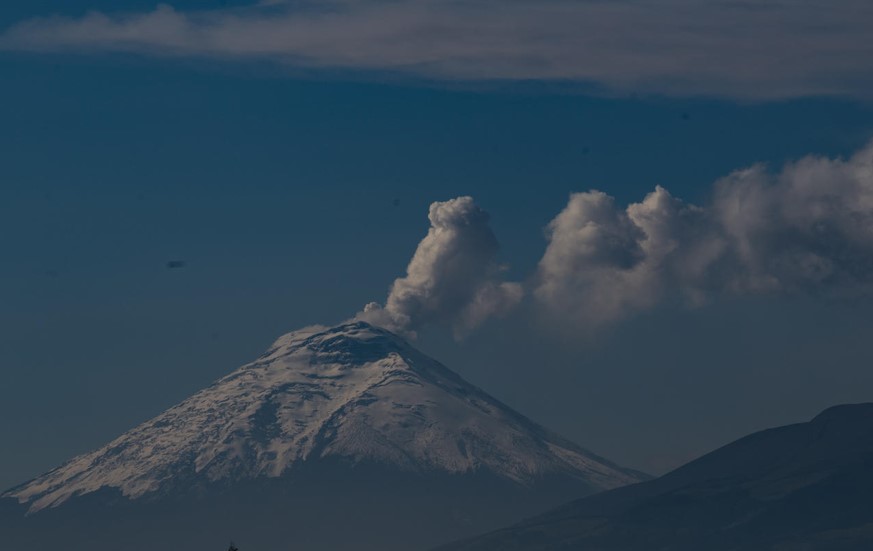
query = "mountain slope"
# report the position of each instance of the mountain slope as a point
(323, 405)
(804, 487)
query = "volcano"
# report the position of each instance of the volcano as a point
(336, 438)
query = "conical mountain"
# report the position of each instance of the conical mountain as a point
(353, 412)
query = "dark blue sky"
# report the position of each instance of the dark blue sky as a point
(296, 199)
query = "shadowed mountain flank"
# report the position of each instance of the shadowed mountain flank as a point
(799, 487)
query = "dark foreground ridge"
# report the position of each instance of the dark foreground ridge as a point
(803, 487)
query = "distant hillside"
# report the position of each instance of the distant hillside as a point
(804, 487)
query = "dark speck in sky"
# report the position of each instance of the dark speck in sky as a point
(175, 264)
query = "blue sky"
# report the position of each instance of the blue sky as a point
(295, 196)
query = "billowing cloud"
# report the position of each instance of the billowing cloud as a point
(730, 48)
(453, 277)
(807, 228)
(603, 262)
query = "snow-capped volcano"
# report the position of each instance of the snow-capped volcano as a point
(355, 392)
(336, 439)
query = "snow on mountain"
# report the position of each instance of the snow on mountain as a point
(355, 392)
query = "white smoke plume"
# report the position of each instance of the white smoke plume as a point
(807, 228)
(453, 278)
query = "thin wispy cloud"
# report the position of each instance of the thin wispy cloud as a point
(728, 48)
